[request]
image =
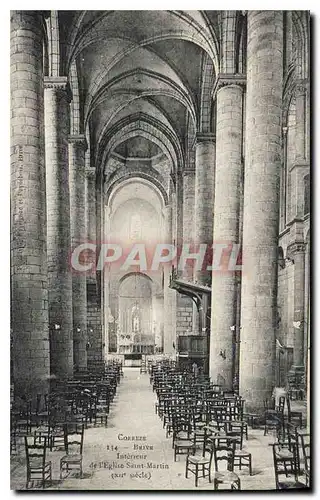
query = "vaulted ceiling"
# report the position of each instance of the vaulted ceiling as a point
(139, 73)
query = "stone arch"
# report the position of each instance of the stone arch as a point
(191, 33)
(140, 124)
(300, 43)
(53, 43)
(208, 77)
(133, 273)
(230, 32)
(98, 94)
(75, 128)
(127, 177)
(155, 284)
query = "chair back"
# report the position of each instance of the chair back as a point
(73, 437)
(223, 451)
(35, 453)
(207, 449)
(281, 405)
(292, 435)
(282, 466)
(305, 445)
(236, 431)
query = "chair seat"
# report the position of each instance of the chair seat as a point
(283, 453)
(183, 435)
(194, 459)
(226, 477)
(289, 485)
(42, 430)
(183, 443)
(200, 432)
(71, 458)
(242, 453)
(38, 465)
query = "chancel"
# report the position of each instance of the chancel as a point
(160, 249)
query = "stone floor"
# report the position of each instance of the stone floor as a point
(132, 414)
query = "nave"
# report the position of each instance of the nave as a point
(133, 424)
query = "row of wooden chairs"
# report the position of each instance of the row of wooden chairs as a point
(203, 421)
(84, 400)
(292, 459)
(40, 469)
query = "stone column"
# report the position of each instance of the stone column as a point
(188, 217)
(29, 296)
(185, 304)
(261, 206)
(90, 216)
(296, 251)
(77, 148)
(168, 293)
(300, 166)
(57, 99)
(204, 195)
(228, 178)
(174, 293)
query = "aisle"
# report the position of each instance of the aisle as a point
(132, 453)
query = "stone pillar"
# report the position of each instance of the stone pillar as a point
(228, 178)
(300, 166)
(95, 351)
(296, 251)
(90, 218)
(204, 195)
(188, 205)
(261, 206)
(57, 99)
(185, 313)
(168, 293)
(77, 148)
(174, 293)
(298, 170)
(300, 128)
(29, 296)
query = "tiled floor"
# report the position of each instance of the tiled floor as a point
(132, 414)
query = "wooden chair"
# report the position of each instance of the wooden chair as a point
(200, 465)
(37, 467)
(23, 419)
(294, 416)
(305, 445)
(292, 439)
(183, 439)
(224, 451)
(73, 442)
(272, 421)
(285, 467)
(242, 457)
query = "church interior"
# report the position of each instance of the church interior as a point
(160, 250)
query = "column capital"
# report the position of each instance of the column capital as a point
(226, 79)
(205, 137)
(189, 171)
(299, 164)
(302, 86)
(296, 247)
(90, 173)
(59, 83)
(79, 140)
